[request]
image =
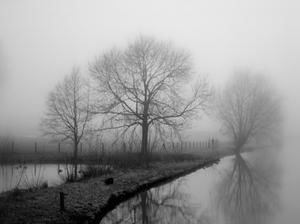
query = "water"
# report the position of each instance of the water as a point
(31, 175)
(257, 187)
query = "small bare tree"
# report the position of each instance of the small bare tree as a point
(145, 86)
(248, 107)
(68, 113)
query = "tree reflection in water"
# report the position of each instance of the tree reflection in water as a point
(248, 192)
(165, 204)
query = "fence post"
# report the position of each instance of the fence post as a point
(62, 201)
(59, 147)
(12, 146)
(102, 148)
(35, 147)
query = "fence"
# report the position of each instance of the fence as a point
(61, 147)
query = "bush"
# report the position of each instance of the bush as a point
(96, 170)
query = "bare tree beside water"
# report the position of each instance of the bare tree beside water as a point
(144, 88)
(248, 107)
(68, 113)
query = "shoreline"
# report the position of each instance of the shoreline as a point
(88, 201)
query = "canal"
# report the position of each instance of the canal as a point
(254, 187)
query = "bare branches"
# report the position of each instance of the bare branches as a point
(68, 109)
(143, 86)
(248, 107)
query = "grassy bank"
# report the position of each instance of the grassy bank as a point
(90, 199)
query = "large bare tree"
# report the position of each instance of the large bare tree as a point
(248, 107)
(144, 87)
(68, 113)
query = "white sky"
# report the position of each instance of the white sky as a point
(40, 41)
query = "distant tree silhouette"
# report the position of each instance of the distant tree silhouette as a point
(248, 107)
(68, 113)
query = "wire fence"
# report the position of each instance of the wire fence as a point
(85, 147)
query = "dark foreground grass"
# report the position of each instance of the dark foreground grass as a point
(89, 200)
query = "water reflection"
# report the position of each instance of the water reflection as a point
(25, 176)
(165, 204)
(240, 190)
(248, 191)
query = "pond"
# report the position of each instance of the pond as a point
(254, 187)
(31, 175)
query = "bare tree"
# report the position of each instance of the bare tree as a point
(248, 107)
(144, 87)
(68, 113)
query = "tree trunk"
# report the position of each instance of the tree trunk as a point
(75, 159)
(144, 147)
(144, 208)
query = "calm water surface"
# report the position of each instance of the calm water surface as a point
(29, 175)
(256, 187)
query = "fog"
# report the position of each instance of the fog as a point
(41, 41)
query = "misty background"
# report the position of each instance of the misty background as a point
(40, 41)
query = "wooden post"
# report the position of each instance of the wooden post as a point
(62, 201)
(59, 147)
(35, 147)
(12, 146)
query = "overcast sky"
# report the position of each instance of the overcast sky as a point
(40, 41)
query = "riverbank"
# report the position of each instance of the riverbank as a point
(89, 200)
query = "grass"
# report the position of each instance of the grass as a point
(107, 163)
(91, 171)
(35, 181)
(96, 163)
